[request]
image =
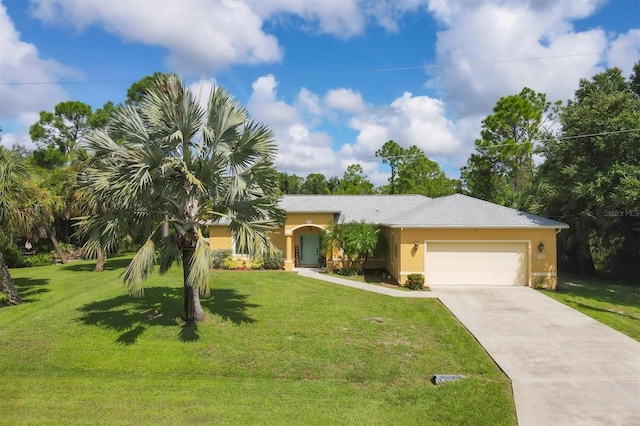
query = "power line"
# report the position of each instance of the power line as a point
(561, 138)
(513, 144)
(336, 72)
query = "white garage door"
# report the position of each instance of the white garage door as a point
(476, 263)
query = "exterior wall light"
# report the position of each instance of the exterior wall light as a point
(415, 246)
(540, 247)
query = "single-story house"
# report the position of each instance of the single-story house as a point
(452, 240)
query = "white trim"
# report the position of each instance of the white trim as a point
(527, 242)
(243, 256)
(544, 274)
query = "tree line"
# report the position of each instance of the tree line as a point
(577, 162)
(411, 172)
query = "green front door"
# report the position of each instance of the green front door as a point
(309, 249)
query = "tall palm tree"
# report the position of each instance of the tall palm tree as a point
(14, 196)
(172, 160)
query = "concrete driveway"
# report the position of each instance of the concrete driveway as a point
(566, 368)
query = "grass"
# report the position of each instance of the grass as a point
(615, 305)
(276, 348)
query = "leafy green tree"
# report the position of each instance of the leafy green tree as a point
(63, 128)
(332, 184)
(594, 173)
(413, 173)
(289, 184)
(138, 90)
(354, 241)
(315, 183)
(502, 165)
(635, 80)
(354, 182)
(392, 154)
(178, 162)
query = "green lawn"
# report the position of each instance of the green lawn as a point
(276, 349)
(615, 305)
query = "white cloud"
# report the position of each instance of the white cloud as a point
(345, 100)
(20, 101)
(341, 18)
(624, 51)
(408, 120)
(300, 150)
(492, 49)
(215, 34)
(309, 102)
(197, 33)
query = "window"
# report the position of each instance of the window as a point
(239, 251)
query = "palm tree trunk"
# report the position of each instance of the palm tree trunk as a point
(165, 227)
(192, 309)
(102, 256)
(6, 284)
(56, 246)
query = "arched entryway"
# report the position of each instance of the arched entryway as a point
(307, 251)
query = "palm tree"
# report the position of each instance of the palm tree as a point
(356, 241)
(363, 239)
(171, 160)
(13, 198)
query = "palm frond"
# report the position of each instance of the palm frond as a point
(200, 263)
(169, 252)
(139, 269)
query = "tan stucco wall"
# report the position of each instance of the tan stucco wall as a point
(543, 271)
(295, 220)
(285, 239)
(219, 238)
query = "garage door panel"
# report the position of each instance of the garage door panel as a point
(475, 263)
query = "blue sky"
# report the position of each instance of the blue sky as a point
(335, 79)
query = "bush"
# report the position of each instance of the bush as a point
(218, 257)
(42, 259)
(257, 263)
(415, 281)
(273, 261)
(229, 263)
(347, 272)
(13, 257)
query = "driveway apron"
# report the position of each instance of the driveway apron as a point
(566, 368)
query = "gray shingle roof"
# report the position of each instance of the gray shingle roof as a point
(416, 211)
(461, 211)
(368, 208)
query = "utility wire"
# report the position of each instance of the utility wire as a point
(613, 132)
(336, 72)
(513, 144)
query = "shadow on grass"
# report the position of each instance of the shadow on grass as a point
(600, 290)
(229, 305)
(161, 306)
(606, 311)
(28, 288)
(89, 266)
